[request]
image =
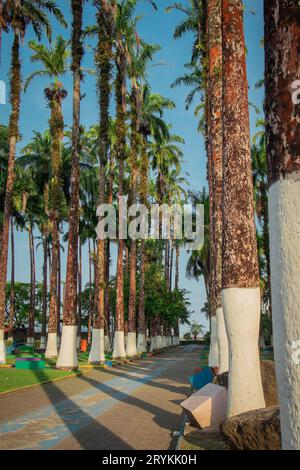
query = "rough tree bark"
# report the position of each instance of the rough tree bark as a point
(68, 354)
(215, 144)
(241, 292)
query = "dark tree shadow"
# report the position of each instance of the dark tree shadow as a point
(88, 432)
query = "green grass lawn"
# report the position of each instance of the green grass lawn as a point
(12, 379)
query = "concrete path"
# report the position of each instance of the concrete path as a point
(134, 406)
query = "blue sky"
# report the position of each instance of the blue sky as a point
(155, 27)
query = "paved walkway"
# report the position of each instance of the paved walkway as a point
(134, 406)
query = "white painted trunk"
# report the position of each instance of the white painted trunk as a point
(159, 342)
(170, 341)
(2, 348)
(213, 357)
(284, 209)
(119, 351)
(125, 340)
(242, 318)
(97, 354)
(106, 344)
(58, 340)
(51, 349)
(78, 339)
(153, 345)
(141, 343)
(131, 350)
(262, 343)
(30, 341)
(222, 342)
(67, 358)
(43, 342)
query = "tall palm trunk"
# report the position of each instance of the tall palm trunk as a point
(171, 266)
(176, 286)
(119, 345)
(103, 57)
(215, 142)
(79, 307)
(30, 338)
(282, 39)
(143, 193)
(131, 349)
(241, 292)
(107, 260)
(45, 290)
(12, 283)
(58, 287)
(213, 358)
(68, 354)
(55, 96)
(90, 317)
(107, 332)
(51, 349)
(15, 88)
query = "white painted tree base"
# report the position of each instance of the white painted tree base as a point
(141, 343)
(242, 318)
(97, 354)
(30, 341)
(284, 210)
(262, 343)
(51, 349)
(159, 342)
(107, 347)
(153, 345)
(2, 348)
(170, 341)
(78, 340)
(43, 342)
(119, 351)
(213, 357)
(67, 358)
(131, 350)
(222, 342)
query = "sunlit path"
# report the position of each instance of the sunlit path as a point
(134, 406)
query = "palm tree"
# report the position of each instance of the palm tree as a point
(125, 28)
(282, 136)
(260, 184)
(152, 125)
(140, 57)
(54, 60)
(36, 156)
(241, 292)
(215, 155)
(17, 16)
(67, 355)
(106, 12)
